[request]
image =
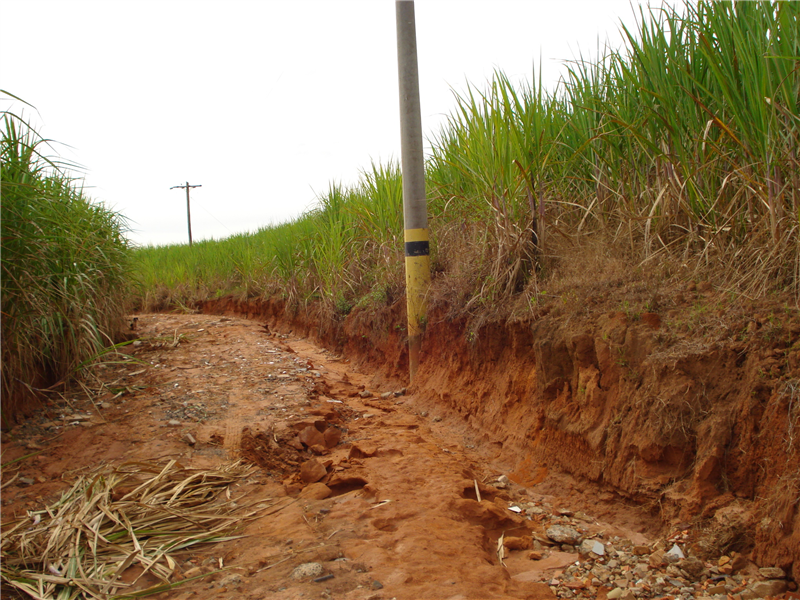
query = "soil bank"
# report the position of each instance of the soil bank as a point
(691, 412)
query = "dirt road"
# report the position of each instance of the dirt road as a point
(391, 499)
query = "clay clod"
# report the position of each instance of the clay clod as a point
(362, 451)
(316, 491)
(517, 543)
(312, 471)
(332, 436)
(310, 436)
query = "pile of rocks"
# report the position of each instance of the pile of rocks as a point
(616, 568)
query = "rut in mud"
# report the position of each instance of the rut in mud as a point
(390, 492)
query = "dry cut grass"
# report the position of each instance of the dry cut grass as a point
(138, 514)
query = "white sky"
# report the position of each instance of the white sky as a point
(262, 102)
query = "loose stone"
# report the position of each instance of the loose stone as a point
(563, 534)
(307, 570)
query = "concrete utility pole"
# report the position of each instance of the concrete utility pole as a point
(415, 209)
(188, 209)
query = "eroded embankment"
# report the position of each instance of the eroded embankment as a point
(699, 429)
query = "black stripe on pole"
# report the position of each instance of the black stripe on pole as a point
(417, 249)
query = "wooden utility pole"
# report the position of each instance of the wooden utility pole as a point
(188, 209)
(415, 208)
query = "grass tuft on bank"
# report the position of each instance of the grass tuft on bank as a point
(65, 267)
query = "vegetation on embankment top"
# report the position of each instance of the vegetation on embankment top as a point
(65, 268)
(679, 149)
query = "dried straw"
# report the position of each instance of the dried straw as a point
(137, 514)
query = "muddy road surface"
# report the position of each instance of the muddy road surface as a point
(375, 494)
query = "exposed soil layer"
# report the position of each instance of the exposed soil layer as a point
(626, 427)
(692, 413)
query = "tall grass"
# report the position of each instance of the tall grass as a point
(336, 253)
(682, 145)
(64, 267)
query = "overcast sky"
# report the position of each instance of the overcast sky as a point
(262, 102)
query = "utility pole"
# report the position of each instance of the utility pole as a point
(188, 209)
(415, 208)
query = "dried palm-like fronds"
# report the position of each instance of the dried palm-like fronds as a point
(137, 514)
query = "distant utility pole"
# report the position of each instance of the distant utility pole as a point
(415, 208)
(188, 210)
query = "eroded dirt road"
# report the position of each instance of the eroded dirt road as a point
(374, 485)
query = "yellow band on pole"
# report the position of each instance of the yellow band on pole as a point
(416, 287)
(416, 235)
(418, 278)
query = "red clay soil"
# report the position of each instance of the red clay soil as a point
(629, 427)
(396, 516)
(692, 413)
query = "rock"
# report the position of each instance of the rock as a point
(312, 470)
(316, 491)
(656, 560)
(723, 560)
(641, 550)
(311, 436)
(563, 534)
(307, 570)
(174, 423)
(615, 593)
(26, 480)
(400, 392)
(535, 555)
(601, 572)
(503, 479)
(386, 395)
(588, 546)
(189, 439)
(365, 394)
(716, 589)
(576, 584)
(517, 543)
(333, 435)
(766, 589)
(772, 573)
(376, 585)
(318, 449)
